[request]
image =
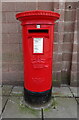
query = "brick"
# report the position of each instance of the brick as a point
(6, 54)
(60, 38)
(77, 57)
(4, 28)
(20, 38)
(5, 48)
(67, 48)
(0, 16)
(65, 76)
(74, 83)
(56, 66)
(21, 48)
(74, 57)
(73, 76)
(16, 67)
(9, 28)
(58, 48)
(66, 56)
(68, 37)
(30, 5)
(60, 25)
(56, 36)
(5, 67)
(78, 14)
(45, 6)
(7, 57)
(12, 48)
(8, 6)
(3, 17)
(12, 77)
(19, 28)
(62, 15)
(56, 5)
(0, 53)
(78, 75)
(5, 38)
(71, 5)
(78, 4)
(20, 6)
(66, 65)
(0, 6)
(57, 57)
(75, 37)
(11, 52)
(10, 17)
(15, 83)
(70, 15)
(62, 5)
(78, 25)
(55, 49)
(56, 78)
(75, 48)
(0, 78)
(17, 57)
(15, 38)
(56, 27)
(74, 67)
(69, 26)
(0, 28)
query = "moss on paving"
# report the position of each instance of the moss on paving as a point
(24, 108)
(17, 94)
(52, 106)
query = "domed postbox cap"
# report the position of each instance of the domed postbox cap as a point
(37, 15)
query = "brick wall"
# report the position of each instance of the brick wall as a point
(65, 42)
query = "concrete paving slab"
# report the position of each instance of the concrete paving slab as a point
(77, 100)
(74, 91)
(17, 91)
(15, 108)
(0, 90)
(61, 92)
(64, 108)
(0, 104)
(4, 100)
(6, 89)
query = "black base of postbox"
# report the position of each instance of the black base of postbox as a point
(37, 98)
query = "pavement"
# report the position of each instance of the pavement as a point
(64, 104)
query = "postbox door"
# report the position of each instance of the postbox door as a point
(38, 61)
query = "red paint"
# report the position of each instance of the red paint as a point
(38, 66)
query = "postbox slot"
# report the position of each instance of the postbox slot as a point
(38, 31)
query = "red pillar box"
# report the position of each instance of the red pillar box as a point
(38, 33)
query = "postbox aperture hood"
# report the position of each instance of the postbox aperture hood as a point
(38, 15)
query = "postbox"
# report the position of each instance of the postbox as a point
(38, 34)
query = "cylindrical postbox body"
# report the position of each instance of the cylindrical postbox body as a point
(37, 31)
